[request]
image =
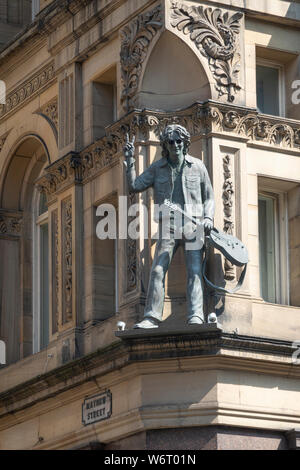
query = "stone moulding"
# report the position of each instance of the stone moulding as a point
(201, 119)
(215, 35)
(3, 140)
(50, 112)
(28, 90)
(135, 40)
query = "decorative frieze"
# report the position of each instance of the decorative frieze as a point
(60, 175)
(103, 154)
(28, 89)
(67, 279)
(135, 40)
(10, 224)
(215, 33)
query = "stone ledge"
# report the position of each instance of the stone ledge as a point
(207, 329)
(200, 347)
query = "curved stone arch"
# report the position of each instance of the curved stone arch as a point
(199, 61)
(34, 126)
(38, 157)
(203, 63)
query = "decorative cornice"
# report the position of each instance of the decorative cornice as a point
(135, 41)
(28, 90)
(75, 168)
(215, 34)
(204, 120)
(60, 175)
(206, 344)
(213, 118)
(10, 224)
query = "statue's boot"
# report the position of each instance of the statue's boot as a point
(194, 320)
(147, 323)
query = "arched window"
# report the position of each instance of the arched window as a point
(41, 319)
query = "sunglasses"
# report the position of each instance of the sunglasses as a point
(172, 142)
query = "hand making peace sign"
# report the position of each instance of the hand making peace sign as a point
(129, 147)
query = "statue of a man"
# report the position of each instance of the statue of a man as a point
(184, 181)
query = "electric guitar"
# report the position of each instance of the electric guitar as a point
(231, 247)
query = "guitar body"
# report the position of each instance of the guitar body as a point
(231, 247)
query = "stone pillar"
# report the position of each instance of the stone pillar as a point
(226, 161)
(62, 184)
(13, 331)
(70, 109)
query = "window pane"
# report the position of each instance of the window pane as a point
(266, 208)
(43, 207)
(267, 89)
(13, 11)
(44, 286)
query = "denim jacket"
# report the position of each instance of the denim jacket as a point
(196, 185)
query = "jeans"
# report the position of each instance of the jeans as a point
(165, 249)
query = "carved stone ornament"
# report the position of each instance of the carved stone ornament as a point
(228, 202)
(67, 279)
(135, 41)
(131, 252)
(10, 224)
(215, 34)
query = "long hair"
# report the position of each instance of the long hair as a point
(183, 134)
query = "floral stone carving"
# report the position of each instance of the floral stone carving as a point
(136, 38)
(215, 34)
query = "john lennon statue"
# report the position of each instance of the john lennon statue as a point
(184, 181)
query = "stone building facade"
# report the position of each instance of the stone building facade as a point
(79, 77)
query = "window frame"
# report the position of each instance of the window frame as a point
(281, 242)
(35, 8)
(281, 85)
(38, 221)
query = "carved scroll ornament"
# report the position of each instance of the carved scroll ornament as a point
(136, 38)
(215, 34)
(228, 202)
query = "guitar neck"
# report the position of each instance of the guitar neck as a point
(176, 208)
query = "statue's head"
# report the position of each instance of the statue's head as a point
(174, 132)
